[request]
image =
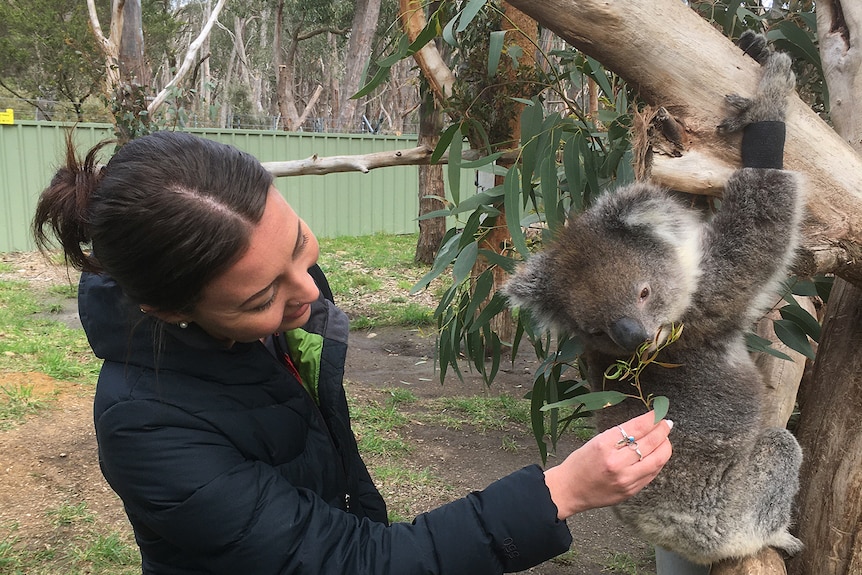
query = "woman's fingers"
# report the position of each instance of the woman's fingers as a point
(612, 466)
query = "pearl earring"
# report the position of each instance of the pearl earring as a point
(183, 324)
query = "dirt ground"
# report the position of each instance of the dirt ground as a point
(50, 459)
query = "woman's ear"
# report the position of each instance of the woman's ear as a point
(165, 316)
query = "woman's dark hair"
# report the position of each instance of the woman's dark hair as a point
(167, 214)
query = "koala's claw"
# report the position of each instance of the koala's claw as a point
(769, 103)
(755, 46)
(737, 102)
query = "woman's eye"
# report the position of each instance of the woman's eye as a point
(265, 306)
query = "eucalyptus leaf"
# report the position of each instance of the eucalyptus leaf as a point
(512, 203)
(465, 261)
(590, 401)
(793, 337)
(495, 49)
(660, 405)
(481, 290)
(504, 262)
(800, 316)
(443, 142)
(495, 306)
(483, 161)
(469, 13)
(454, 167)
(435, 214)
(760, 344)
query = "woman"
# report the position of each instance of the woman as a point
(220, 413)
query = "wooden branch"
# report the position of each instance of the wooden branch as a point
(430, 62)
(318, 166)
(649, 43)
(310, 106)
(418, 156)
(188, 61)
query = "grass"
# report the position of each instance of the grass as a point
(31, 341)
(71, 551)
(483, 413)
(371, 277)
(16, 403)
(622, 563)
(70, 514)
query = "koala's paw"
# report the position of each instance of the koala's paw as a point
(770, 101)
(754, 45)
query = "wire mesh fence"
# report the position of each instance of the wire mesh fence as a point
(95, 110)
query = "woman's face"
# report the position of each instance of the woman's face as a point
(268, 289)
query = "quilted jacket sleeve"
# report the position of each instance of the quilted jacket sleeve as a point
(231, 515)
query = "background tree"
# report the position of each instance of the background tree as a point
(366, 15)
(47, 54)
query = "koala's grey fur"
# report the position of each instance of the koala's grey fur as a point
(639, 260)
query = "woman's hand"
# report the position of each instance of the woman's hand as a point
(611, 467)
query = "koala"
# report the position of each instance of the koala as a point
(639, 260)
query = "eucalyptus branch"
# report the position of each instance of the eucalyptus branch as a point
(646, 355)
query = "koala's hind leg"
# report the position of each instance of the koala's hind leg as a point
(772, 483)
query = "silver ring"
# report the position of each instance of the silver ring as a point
(627, 439)
(640, 455)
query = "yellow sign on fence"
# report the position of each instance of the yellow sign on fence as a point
(7, 117)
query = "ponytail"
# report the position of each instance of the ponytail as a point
(63, 207)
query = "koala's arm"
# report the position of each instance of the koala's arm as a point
(750, 243)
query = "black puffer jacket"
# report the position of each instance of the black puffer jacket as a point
(226, 464)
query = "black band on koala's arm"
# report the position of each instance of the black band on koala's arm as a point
(763, 145)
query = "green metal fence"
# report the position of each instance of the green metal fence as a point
(383, 200)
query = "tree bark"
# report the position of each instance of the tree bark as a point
(829, 515)
(830, 501)
(431, 190)
(365, 17)
(782, 377)
(133, 68)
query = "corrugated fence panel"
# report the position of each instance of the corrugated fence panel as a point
(350, 203)
(30, 153)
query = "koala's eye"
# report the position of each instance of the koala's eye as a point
(644, 293)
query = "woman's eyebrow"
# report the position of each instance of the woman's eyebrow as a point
(256, 295)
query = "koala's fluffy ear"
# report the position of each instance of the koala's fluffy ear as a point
(666, 219)
(529, 287)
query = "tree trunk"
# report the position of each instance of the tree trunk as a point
(524, 33)
(133, 68)
(830, 501)
(434, 69)
(131, 93)
(782, 377)
(365, 17)
(829, 515)
(431, 231)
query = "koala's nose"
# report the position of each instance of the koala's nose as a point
(628, 333)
